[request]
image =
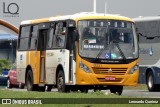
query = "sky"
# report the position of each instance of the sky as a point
(32, 9)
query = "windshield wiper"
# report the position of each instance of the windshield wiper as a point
(120, 50)
(102, 50)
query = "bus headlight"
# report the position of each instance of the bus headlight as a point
(84, 67)
(134, 68)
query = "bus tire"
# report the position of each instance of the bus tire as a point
(29, 82)
(116, 89)
(84, 90)
(61, 82)
(9, 85)
(151, 83)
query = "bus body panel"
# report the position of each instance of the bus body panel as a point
(143, 74)
(149, 53)
(93, 78)
(21, 66)
(34, 62)
(25, 59)
(53, 59)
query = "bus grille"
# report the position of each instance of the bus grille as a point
(104, 80)
(106, 71)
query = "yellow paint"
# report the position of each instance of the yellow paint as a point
(83, 78)
(40, 20)
(104, 17)
(34, 63)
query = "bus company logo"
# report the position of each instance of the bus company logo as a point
(148, 51)
(110, 70)
(10, 10)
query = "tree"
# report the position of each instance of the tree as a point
(4, 64)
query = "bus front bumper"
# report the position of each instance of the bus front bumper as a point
(101, 79)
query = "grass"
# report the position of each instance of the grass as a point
(24, 94)
(98, 94)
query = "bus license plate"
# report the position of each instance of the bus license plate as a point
(110, 78)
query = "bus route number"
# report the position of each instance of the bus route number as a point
(97, 65)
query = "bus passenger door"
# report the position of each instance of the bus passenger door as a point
(42, 40)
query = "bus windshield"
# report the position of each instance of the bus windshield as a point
(107, 39)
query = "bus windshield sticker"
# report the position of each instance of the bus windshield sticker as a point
(94, 46)
(113, 56)
(92, 40)
(107, 55)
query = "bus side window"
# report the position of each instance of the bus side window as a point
(34, 33)
(50, 38)
(60, 35)
(24, 38)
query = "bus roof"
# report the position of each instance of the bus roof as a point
(149, 18)
(77, 16)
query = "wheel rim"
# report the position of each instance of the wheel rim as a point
(150, 81)
(8, 83)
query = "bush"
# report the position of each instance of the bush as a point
(4, 64)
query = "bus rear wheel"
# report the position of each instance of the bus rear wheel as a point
(61, 82)
(29, 82)
(116, 89)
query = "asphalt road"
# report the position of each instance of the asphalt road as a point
(134, 93)
(141, 93)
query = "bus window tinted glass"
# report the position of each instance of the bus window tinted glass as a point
(34, 37)
(148, 29)
(25, 31)
(24, 38)
(24, 44)
(60, 35)
(50, 37)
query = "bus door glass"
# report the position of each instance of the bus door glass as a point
(42, 40)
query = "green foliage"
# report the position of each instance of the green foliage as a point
(4, 64)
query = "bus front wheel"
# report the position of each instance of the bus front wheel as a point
(29, 82)
(116, 89)
(61, 82)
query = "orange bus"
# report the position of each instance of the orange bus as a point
(78, 52)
